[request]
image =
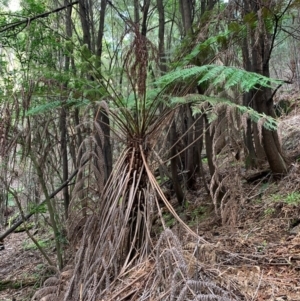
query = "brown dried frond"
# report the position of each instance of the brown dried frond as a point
(140, 53)
(43, 292)
(215, 192)
(52, 281)
(260, 125)
(104, 271)
(107, 236)
(51, 297)
(244, 119)
(228, 147)
(89, 182)
(181, 273)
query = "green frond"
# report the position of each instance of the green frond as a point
(43, 108)
(77, 103)
(218, 75)
(215, 74)
(189, 98)
(234, 77)
(49, 106)
(208, 45)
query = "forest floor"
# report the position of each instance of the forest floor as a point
(257, 240)
(262, 247)
(22, 268)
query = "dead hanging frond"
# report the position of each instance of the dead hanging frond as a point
(121, 223)
(233, 198)
(260, 125)
(117, 232)
(140, 53)
(90, 180)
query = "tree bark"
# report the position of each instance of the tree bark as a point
(102, 116)
(190, 158)
(261, 48)
(174, 161)
(186, 13)
(63, 118)
(161, 36)
(84, 18)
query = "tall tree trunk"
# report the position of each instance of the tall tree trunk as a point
(263, 102)
(145, 17)
(173, 136)
(136, 5)
(186, 13)
(209, 147)
(85, 23)
(186, 7)
(63, 118)
(64, 156)
(161, 36)
(102, 116)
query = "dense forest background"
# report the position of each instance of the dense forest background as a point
(125, 124)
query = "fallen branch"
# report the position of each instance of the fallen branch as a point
(28, 20)
(17, 283)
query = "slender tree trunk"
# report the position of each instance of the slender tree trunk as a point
(145, 17)
(101, 116)
(190, 158)
(250, 157)
(63, 118)
(198, 145)
(161, 36)
(51, 209)
(209, 147)
(64, 156)
(174, 164)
